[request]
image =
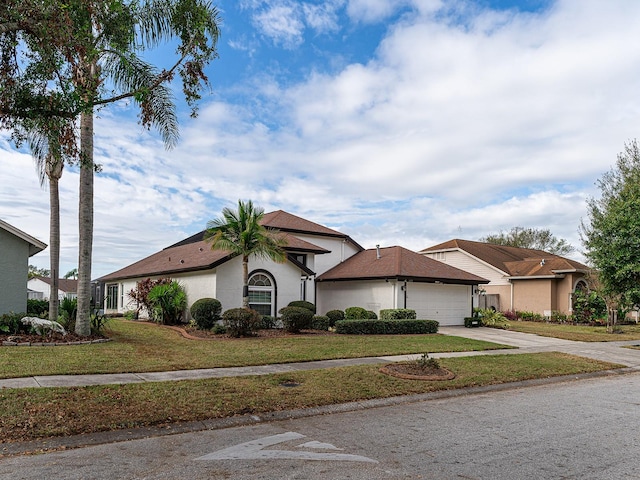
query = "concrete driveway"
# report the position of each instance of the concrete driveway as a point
(505, 337)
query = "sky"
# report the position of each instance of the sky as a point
(396, 122)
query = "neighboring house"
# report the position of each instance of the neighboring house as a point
(520, 278)
(66, 288)
(395, 277)
(15, 249)
(312, 272)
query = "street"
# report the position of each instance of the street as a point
(583, 429)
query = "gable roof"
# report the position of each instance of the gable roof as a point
(35, 245)
(398, 263)
(513, 261)
(65, 284)
(194, 254)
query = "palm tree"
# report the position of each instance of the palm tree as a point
(73, 273)
(241, 233)
(44, 142)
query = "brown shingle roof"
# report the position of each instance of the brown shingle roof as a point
(193, 256)
(399, 263)
(288, 222)
(514, 261)
(65, 284)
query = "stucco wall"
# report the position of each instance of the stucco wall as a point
(14, 267)
(534, 295)
(505, 294)
(340, 251)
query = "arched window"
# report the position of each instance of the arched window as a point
(261, 294)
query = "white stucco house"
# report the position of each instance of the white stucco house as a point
(16, 247)
(40, 288)
(322, 267)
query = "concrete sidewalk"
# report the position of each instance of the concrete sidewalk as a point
(527, 343)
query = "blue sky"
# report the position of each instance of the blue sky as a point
(398, 122)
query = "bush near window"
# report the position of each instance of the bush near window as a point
(241, 322)
(37, 308)
(267, 322)
(168, 303)
(335, 316)
(386, 327)
(206, 312)
(320, 322)
(397, 314)
(303, 304)
(356, 313)
(295, 319)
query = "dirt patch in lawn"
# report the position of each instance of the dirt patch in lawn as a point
(413, 371)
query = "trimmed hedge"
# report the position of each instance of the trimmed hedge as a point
(295, 319)
(386, 327)
(241, 322)
(303, 304)
(335, 316)
(206, 312)
(356, 313)
(320, 322)
(397, 314)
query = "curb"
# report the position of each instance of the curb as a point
(90, 439)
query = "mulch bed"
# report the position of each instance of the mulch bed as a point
(413, 371)
(48, 339)
(195, 333)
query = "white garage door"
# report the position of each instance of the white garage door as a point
(448, 304)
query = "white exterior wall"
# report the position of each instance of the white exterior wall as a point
(372, 295)
(468, 263)
(38, 285)
(339, 248)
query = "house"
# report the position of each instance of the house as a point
(311, 272)
(15, 249)
(395, 277)
(520, 278)
(40, 287)
(311, 249)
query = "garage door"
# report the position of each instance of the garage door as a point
(448, 304)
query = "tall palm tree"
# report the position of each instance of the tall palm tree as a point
(241, 233)
(44, 142)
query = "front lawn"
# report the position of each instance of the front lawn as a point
(33, 413)
(145, 347)
(580, 333)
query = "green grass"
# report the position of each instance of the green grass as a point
(580, 333)
(32, 413)
(145, 347)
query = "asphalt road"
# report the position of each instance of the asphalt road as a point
(587, 429)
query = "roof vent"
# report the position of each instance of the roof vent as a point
(542, 262)
(378, 252)
(201, 249)
(181, 261)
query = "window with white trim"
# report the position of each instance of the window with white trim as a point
(261, 293)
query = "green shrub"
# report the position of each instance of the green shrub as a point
(168, 303)
(303, 304)
(335, 316)
(97, 322)
(10, 323)
(267, 322)
(130, 314)
(241, 322)
(588, 307)
(372, 315)
(37, 308)
(386, 327)
(67, 313)
(530, 316)
(472, 322)
(492, 318)
(219, 329)
(295, 319)
(320, 322)
(206, 312)
(356, 313)
(397, 314)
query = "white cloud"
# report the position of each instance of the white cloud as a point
(448, 131)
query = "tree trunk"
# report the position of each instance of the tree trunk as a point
(612, 317)
(54, 171)
(245, 282)
(85, 224)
